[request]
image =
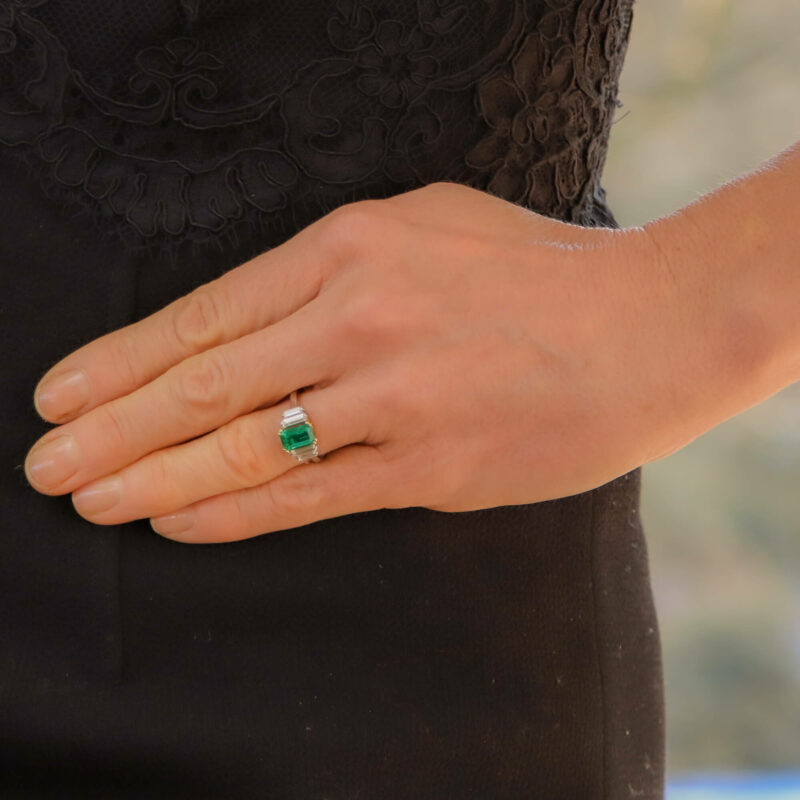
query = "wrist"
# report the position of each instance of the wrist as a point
(728, 262)
(696, 376)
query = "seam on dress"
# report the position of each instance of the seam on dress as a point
(120, 311)
(597, 644)
(115, 634)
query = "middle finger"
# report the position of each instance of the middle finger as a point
(245, 452)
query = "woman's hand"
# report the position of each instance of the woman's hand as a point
(459, 352)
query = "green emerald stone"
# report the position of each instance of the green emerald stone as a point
(297, 436)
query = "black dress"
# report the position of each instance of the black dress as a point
(148, 147)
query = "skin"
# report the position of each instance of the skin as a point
(453, 351)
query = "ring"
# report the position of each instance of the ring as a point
(297, 433)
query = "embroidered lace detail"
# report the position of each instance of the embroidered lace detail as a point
(173, 121)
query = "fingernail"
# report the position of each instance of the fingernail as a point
(62, 394)
(51, 463)
(98, 496)
(170, 524)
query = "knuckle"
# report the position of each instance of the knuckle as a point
(414, 477)
(368, 312)
(125, 356)
(440, 187)
(401, 394)
(427, 474)
(295, 495)
(115, 429)
(162, 471)
(240, 520)
(163, 479)
(386, 397)
(240, 448)
(347, 226)
(201, 383)
(198, 320)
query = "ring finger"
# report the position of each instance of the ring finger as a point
(245, 452)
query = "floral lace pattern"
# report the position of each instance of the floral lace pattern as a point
(177, 137)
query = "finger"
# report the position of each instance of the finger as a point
(350, 480)
(192, 398)
(247, 298)
(245, 452)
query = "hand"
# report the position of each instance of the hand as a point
(456, 352)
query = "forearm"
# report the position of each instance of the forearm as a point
(733, 257)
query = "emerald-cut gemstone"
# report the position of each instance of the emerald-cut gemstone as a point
(297, 436)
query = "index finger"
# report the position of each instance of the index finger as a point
(257, 293)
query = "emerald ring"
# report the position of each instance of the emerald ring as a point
(297, 433)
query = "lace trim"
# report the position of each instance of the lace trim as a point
(527, 119)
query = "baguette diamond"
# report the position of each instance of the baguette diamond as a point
(294, 416)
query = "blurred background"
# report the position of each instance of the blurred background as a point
(711, 88)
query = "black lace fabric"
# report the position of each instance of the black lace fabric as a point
(183, 120)
(147, 147)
